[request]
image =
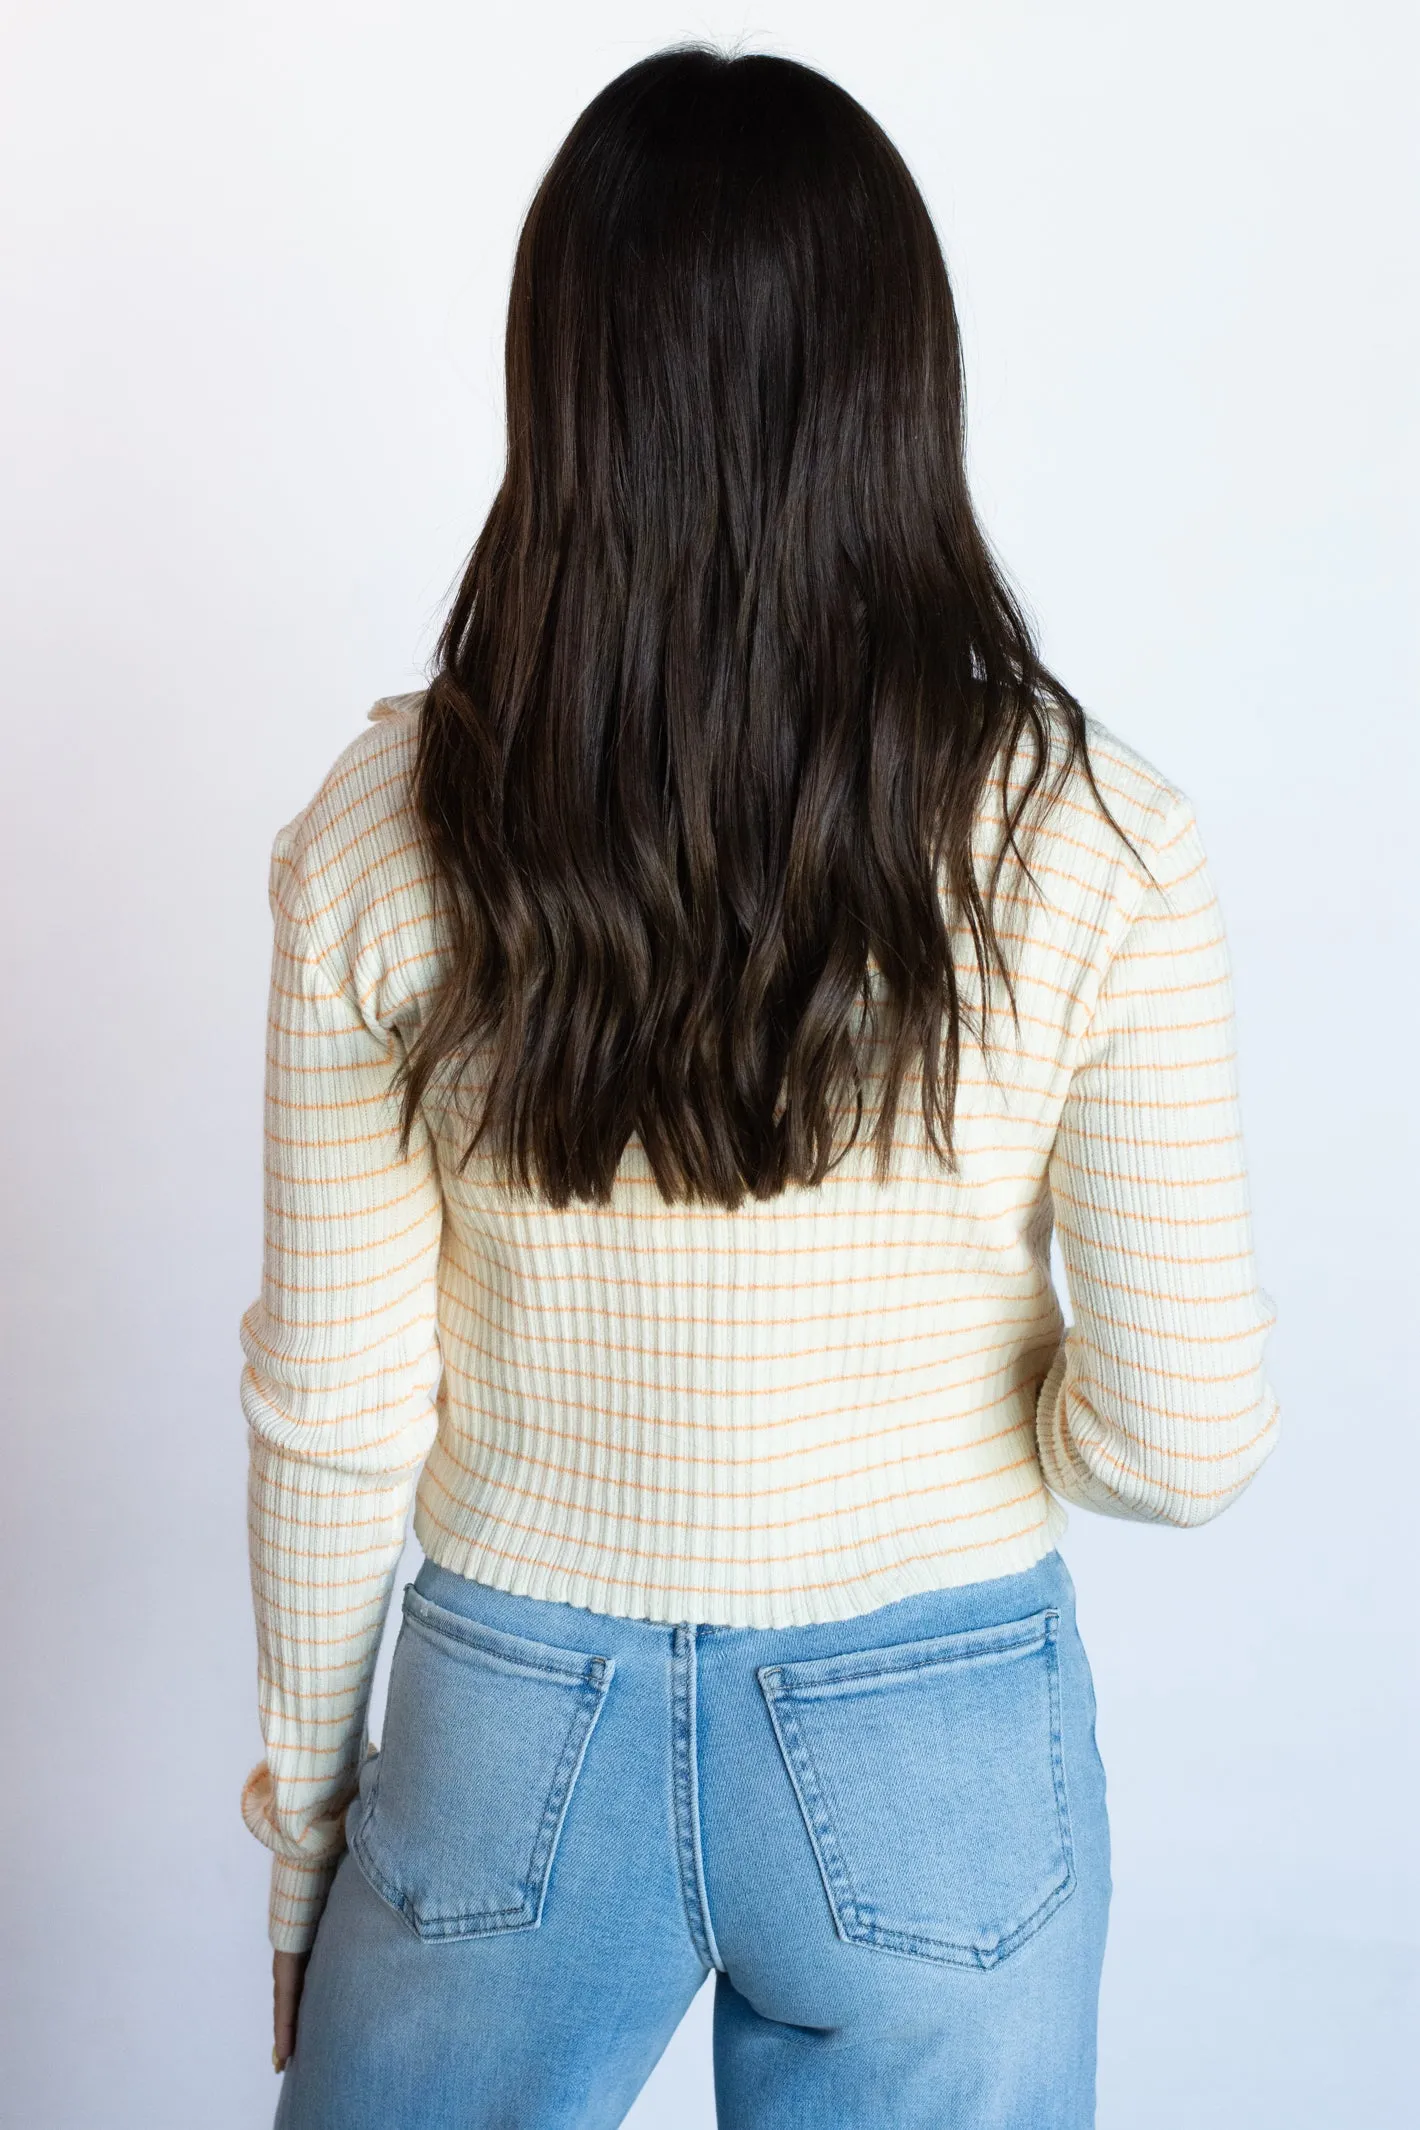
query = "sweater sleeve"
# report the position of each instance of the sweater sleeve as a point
(341, 1372)
(1157, 1408)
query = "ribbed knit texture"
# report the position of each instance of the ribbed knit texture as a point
(795, 1412)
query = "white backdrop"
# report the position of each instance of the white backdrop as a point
(255, 260)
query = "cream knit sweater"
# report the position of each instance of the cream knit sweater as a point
(790, 1413)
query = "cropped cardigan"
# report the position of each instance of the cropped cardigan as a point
(792, 1412)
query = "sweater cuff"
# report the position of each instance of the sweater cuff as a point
(298, 1896)
(1066, 1473)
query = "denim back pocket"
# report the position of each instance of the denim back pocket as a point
(459, 1813)
(932, 1785)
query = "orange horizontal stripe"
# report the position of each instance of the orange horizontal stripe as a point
(410, 847)
(408, 1366)
(328, 1251)
(343, 1177)
(946, 1357)
(623, 1248)
(1149, 1218)
(293, 1068)
(1153, 1342)
(1131, 952)
(295, 1214)
(575, 1319)
(1165, 1180)
(1170, 1453)
(1212, 1063)
(1156, 1294)
(635, 1478)
(565, 1504)
(428, 1254)
(346, 1582)
(657, 1424)
(1172, 1489)
(711, 1560)
(721, 1228)
(387, 751)
(269, 1544)
(1119, 1248)
(317, 1723)
(874, 1574)
(322, 1781)
(335, 1107)
(397, 782)
(322, 1667)
(331, 1143)
(576, 1308)
(648, 1453)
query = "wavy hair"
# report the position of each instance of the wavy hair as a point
(731, 671)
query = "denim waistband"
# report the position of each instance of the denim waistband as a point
(961, 1607)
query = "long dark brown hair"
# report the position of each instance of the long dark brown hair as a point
(731, 669)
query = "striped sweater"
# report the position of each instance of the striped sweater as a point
(792, 1412)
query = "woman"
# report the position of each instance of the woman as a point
(690, 1019)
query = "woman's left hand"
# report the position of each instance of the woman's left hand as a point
(288, 1972)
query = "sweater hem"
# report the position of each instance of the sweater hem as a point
(563, 1582)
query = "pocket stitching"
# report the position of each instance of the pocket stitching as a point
(513, 1652)
(803, 1774)
(591, 1692)
(856, 1921)
(590, 1696)
(1010, 1638)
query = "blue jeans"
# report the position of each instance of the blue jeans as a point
(887, 1834)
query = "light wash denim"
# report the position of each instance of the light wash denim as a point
(888, 1834)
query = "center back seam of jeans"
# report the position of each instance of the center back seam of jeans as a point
(687, 1795)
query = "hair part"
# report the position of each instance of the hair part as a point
(731, 671)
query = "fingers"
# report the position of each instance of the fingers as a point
(288, 1973)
